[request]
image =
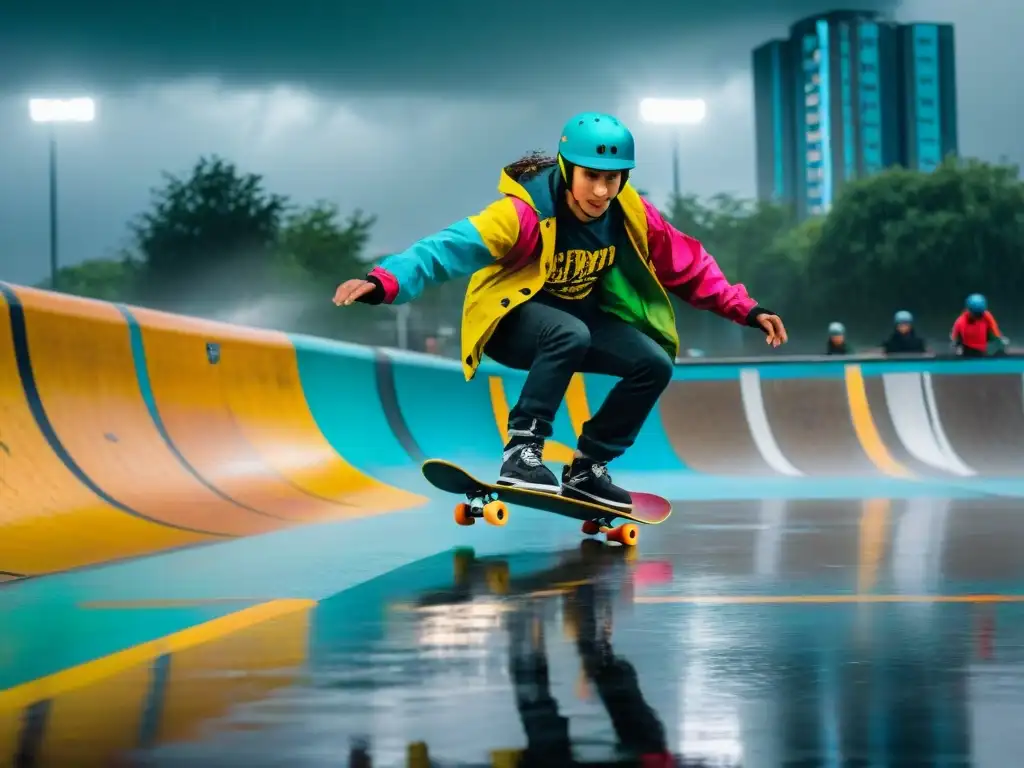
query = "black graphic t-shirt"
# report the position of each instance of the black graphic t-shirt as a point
(584, 251)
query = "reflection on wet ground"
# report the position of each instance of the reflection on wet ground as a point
(804, 633)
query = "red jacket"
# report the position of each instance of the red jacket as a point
(974, 332)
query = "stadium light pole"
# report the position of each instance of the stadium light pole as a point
(673, 112)
(53, 111)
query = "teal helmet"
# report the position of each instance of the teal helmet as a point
(598, 141)
(836, 329)
(976, 303)
(903, 317)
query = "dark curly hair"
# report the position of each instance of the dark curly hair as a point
(530, 165)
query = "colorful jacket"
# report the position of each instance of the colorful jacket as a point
(509, 246)
(974, 332)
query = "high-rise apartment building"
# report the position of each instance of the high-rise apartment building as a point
(846, 95)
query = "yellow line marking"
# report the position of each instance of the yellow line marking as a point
(874, 524)
(823, 599)
(20, 696)
(864, 426)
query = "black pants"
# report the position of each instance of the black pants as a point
(542, 336)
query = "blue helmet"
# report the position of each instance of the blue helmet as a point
(598, 141)
(903, 317)
(976, 303)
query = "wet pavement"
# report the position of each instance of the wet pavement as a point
(784, 633)
(231, 557)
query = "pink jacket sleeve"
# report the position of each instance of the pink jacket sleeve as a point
(691, 273)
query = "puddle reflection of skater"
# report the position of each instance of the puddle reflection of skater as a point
(359, 754)
(636, 726)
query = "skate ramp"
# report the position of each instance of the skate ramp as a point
(939, 420)
(126, 432)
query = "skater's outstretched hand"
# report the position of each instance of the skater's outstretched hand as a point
(774, 329)
(353, 290)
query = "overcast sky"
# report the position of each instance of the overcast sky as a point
(404, 110)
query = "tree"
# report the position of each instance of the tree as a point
(740, 234)
(903, 239)
(316, 245)
(106, 279)
(735, 230)
(211, 234)
(314, 253)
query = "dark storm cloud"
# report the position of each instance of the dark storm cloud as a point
(406, 114)
(396, 45)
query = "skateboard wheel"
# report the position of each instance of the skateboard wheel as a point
(496, 513)
(463, 514)
(626, 535)
(590, 528)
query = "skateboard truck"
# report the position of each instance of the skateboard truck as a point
(626, 534)
(481, 504)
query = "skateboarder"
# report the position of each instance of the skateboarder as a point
(974, 327)
(904, 339)
(571, 270)
(836, 340)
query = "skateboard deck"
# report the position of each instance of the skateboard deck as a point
(486, 500)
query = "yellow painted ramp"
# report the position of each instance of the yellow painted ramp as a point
(120, 436)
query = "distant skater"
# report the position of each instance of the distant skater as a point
(975, 327)
(836, 344)
(903, 339)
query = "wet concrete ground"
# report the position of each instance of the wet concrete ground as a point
(805, 633)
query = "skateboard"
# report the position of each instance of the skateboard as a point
(487, 501)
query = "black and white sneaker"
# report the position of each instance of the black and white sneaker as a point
(588, 480)
(523, 467)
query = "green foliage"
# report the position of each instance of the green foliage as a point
(917, 241)
(900, 239)
(215, 210)
(105, 279)
(209, 236)
(734, 230)
(313, 243)
(740, 234)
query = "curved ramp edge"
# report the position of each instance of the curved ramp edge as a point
(126, 432)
